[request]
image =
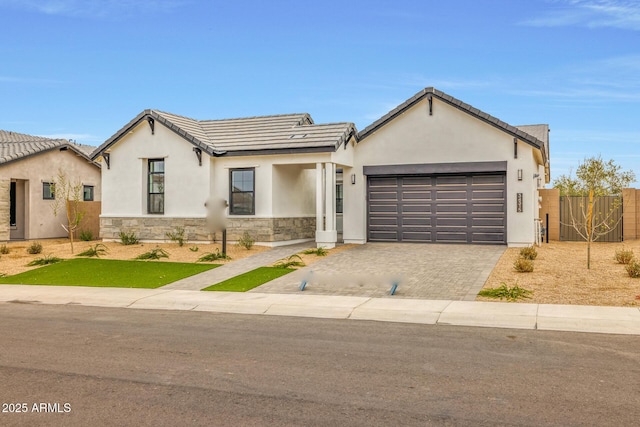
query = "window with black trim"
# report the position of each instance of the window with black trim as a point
(48, 191)
(241, 191)
(339, 197)
(87, 193)
(155, 188)
(12, 204)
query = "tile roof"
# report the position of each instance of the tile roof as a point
(248, 135)
(431, 92)
(15, 146)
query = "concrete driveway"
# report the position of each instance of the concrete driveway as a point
(429, 271)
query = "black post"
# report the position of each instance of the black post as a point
(224, 242)
(547, 230)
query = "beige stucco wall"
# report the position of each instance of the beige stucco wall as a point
(448, 136)
(40, 222)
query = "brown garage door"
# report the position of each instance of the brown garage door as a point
(468, 208)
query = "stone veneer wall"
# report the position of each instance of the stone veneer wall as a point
(261, 229)
(5, 203)
(153, 228)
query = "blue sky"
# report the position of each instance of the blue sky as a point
(81, 69)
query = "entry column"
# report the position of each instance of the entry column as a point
(328, 236)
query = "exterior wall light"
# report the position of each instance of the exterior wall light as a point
(353, 178)
(519, 174)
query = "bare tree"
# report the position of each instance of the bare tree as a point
(68, 196)
(594, 180)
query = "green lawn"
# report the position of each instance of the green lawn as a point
(108, 273)
(250, 279)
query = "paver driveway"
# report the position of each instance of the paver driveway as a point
(430, 271)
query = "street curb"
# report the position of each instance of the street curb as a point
(548, 317)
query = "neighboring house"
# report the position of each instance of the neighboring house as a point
(28, 167)
(435, 169)
(160, 169)
(432, 170)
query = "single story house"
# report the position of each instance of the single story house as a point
(434, 169)
(28, 168)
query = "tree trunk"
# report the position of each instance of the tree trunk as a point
(589, 229)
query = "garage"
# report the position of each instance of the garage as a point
(437, 208)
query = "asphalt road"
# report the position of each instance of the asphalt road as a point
(137, 367)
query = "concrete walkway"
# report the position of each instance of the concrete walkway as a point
(227, 271)
(610, 320)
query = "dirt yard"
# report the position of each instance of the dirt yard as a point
(560, 275)
(17, 259)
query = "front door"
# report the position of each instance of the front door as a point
(17, 210)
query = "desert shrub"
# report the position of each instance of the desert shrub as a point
(4, 249)
(293, 261)
(246, 241)
(177, 236)
(94, 251)
(319, 251)
(194, 248)
(633, 269)
(529, 253)
(523, 265)
(213, 256)
(85, 235)
(505, 292)
(34, 248)
(128, 238)
(155, 253)
(45, 260)
(624, 256)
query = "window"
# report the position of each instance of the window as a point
(87, 193)
(241, 192)
(339, 197)
(12, 205)
(155, 190)
(47, 191)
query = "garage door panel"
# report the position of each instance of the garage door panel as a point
(488, 194)
(417, 237)
(448, 195)
(451, 180)
(381, 220)
(487, 179)
(406, 220)
(443, 208)
(420, 195)
(415, 208)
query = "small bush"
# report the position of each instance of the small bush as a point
(45, 260)
(319, 252)
(4, 249)
(523, 265)
(194, 249)
(35, 248)
(624, 256)
(177, 235)
(213, 256)
(128, 238)
(292, 261)
(94, 251)
(85, 235)
(156, 253)
(529, 253)
(505, 292)
(633, 269)
(246, 241)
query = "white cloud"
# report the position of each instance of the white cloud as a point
(622, 14)
(93, 8)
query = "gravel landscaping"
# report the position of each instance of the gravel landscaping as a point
(560, 275)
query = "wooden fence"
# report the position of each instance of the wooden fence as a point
(603, 207)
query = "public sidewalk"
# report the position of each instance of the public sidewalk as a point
(610, 320)
(235, 268)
